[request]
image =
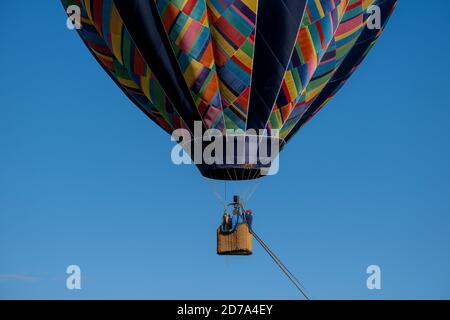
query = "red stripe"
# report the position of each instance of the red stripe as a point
(353, 6)
(243, 66)
(139, 63)
(189, 6)
(97, 14)
(319, 29)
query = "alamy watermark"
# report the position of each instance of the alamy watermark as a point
(374, 280)
(248, 149)
(374, 19)
(73, 281)
(74, 19)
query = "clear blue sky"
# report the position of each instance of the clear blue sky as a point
(86, 179)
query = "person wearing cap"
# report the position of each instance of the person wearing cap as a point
(235, 219)
(249, 218)
(226, 222)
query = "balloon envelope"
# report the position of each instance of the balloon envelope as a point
(231, 64)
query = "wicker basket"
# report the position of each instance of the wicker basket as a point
(238, 242)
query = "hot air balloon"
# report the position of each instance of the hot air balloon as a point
(266, 65)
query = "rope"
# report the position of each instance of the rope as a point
(274, 257)
(216, 192)
(281, 265)
(252, 191)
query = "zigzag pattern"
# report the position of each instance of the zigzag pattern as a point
(338, 79)
(347, 34)
(320, 21)
(186, 23)
(115, 57)
(233, 32)
(213, 47)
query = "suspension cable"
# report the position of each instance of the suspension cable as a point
(281, 265)
(275, 256)
(225, 182)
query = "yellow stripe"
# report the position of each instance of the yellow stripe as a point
(227, 94)
(290, 84)
(319, 7)
(145, 86)
(244, 58)
(128, 83)
(192, 71)
(367, 3)
(251, 4)
(101, 56)
(183, 31)
(87, 5)
(223, 44)
(349, 33)
(213, 10)
(116, 34)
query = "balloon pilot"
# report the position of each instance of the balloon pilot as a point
(239, 216)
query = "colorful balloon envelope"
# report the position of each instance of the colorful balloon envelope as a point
(231, 64)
